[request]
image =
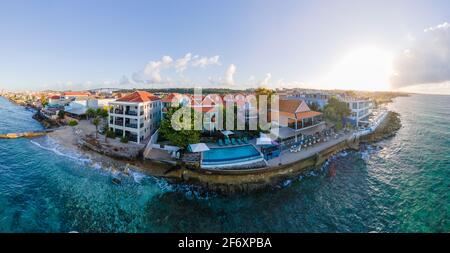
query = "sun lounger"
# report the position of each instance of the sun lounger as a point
(227, 142)
(233, 141)
(239, 141)
(245, 140)
(219, 142)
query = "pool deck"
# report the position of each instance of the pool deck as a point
(287, 157)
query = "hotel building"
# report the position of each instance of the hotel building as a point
(135, 116)
(361, 109)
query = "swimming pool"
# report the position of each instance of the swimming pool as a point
(230, 156)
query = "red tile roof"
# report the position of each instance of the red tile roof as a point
(139, 97)
(55, 97)
(76, 93)
(169, 98)
(304, 115)
(289, 106)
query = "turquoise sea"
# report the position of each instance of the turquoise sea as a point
(401, 184)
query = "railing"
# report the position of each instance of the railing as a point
(119, 123)
(132, 138)
(118, 111)
(131, 125)
(132, 113)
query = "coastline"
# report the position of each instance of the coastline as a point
(226, 182)
(237, 181)
(219, 181)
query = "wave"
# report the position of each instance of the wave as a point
(55, 149)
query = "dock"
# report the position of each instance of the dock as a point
(24, 134)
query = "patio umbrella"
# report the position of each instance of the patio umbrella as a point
(227, 132)
(263, 141)
(199, 147)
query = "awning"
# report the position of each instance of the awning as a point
(263, 141)
(77, 111)
(199, 147)
(227, 132)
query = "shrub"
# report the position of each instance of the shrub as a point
(124, 139)
(73, 122)
(110, 134)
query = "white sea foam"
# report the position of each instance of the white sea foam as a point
(56, 149)
(137, 177)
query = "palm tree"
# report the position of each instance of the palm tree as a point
(96, 122)
(90, 113)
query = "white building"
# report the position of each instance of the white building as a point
(136, 116)
(78, 108)
(361, 109)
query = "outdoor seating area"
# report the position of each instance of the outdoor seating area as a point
(226, 141)
(310, 140)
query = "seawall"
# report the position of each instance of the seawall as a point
(234, 181)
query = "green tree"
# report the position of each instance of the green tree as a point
(90, 113)
(102, 112)
(96, 122)
(335, 111)
(314, 106)
(182, 137)
(44, 101)
(269, 93)
(61, 114)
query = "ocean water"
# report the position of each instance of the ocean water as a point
(401, 184)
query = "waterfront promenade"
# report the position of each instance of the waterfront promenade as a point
(289, 157)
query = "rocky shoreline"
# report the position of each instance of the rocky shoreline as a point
(244, 181)
(388, 128)
(223, 182)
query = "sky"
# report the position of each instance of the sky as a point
(366, 45)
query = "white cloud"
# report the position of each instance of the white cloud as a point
(182, 63)
(229, 75)
(265, 82)
(205, 61)
(426, 61)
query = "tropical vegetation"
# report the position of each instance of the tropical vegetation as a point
(336, 111)
(185, 133)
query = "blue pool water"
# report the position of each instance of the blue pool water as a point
(230, 154)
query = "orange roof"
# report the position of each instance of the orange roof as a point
(304, 115)
(76, 93)
(289, 106)
(139, 97)
(204, 109)
(54, 97)
(169, 98)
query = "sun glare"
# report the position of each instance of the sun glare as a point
(366, 68)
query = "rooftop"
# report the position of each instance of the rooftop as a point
(139, 97)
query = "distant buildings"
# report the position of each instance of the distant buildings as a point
(135, 116)
(318, 98)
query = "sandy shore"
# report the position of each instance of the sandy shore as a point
(67, 137)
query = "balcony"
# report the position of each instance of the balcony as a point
(142, 125)
(119, 123)
(117, 111)
(131, 125)
(131, 113)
